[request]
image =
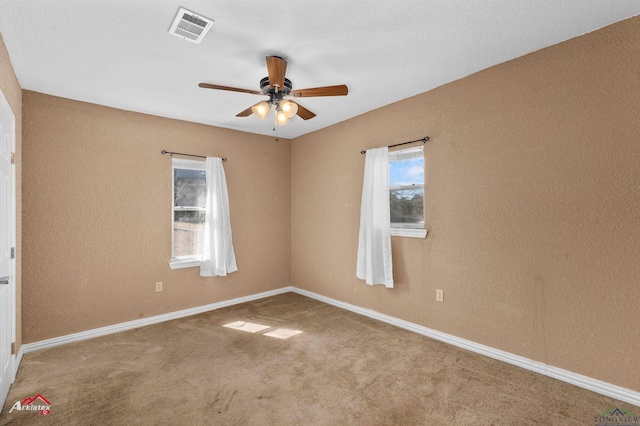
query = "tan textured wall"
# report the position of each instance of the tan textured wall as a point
(532, 206)
(97, 215)
(13, 93)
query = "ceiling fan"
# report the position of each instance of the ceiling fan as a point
(280, 91)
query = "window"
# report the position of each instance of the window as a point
(189, 197)
(406, 192)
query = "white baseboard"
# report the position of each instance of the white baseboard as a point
(110, 329)
(598, 386)
(16, 363)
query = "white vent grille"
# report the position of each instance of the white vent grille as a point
(190, 26)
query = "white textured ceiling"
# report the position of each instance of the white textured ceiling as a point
(119, 53)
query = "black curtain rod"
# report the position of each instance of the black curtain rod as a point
(423, 140)
(188, 155)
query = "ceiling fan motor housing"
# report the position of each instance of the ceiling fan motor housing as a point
(267, 89)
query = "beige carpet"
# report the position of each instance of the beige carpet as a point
(343, 369)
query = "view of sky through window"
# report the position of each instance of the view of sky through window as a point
(406, 172)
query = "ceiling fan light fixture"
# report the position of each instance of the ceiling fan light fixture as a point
(289, 108)
(261, 109)
(281, 118)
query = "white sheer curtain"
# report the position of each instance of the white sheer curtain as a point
(374, 248)
(218, 257)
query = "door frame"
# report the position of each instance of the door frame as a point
(13, 359)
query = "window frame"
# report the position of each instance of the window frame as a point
(178, 262)
(411, 230)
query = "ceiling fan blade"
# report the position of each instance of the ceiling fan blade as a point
(247, 112)
(304, 113)
(230, 89)
(340, 90)
(277, 67)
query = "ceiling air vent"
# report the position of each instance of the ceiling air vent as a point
(190, 26)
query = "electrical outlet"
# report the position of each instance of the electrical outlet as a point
(159, 286)
(439, 295)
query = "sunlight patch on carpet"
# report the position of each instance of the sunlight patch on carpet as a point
(252, 327)
(282, 333)
(249, 327)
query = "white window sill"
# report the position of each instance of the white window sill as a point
(183, 263)
(408, 232)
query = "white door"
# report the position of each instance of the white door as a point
(7, 252)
